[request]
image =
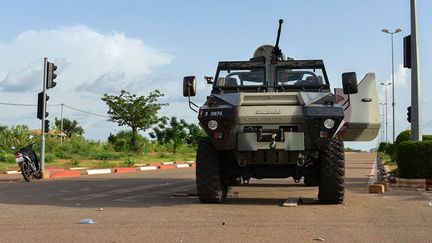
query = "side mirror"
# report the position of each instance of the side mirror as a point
(349, 83)
(189, 86)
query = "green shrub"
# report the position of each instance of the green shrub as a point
(104, 164)
(414, 159)
(7, 157)
(390, 149)
(427, 137)
(121, 142)
(382, 147)
(129, 162)
(73, 163)
(50, 158)
(104, 155)
(402, 137)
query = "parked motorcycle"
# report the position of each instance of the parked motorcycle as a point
(28, 163)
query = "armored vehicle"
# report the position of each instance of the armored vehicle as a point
(275, 117)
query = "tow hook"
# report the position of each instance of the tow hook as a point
(273, 141)
(300, 160)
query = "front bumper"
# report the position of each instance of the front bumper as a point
(293, 141)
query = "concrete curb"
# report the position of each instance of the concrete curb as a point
(148, 167)
(79, 171)
(66, 173)
(124, 170)
(98, 171)
(414, 183)
(11, 172)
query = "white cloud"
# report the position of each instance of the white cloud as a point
(89, 64)
(85, 58)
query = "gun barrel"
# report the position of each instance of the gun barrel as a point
(279, 33)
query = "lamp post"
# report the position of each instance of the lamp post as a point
(382, 121)
(393, 87)
(386, 111)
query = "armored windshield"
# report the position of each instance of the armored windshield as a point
(241, 77)
(284, 75)
(299, 77)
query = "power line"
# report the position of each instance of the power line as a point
(88, 112)
(16, 104)
(68, 106)
(20, 104)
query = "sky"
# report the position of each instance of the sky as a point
(106, 46)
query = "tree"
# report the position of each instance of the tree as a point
(122, 141)
(70, 127)
(195, 133)
(172, 131)
(17, 136)
(176, 132)
(136, 112)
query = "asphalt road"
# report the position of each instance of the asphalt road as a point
(160, 206)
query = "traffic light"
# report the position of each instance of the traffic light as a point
(409, 114)
(51, 68)
(47, 124)
(40, 106)
(407, 51)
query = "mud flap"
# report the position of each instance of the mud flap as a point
(362, 119)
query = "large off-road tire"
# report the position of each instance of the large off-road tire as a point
(311, 180)
(332, 173)
(210, 186)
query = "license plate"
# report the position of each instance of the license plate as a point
(19, 159)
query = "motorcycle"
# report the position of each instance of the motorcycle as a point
(28, 163)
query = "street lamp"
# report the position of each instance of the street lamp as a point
(382, 121)
(393, 87)
(386, 111)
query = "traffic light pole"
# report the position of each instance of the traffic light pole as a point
(415, 84)
(42, 142)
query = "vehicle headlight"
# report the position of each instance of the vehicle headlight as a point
(329, 123)
(212, 125)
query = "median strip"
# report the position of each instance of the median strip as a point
(78, 171)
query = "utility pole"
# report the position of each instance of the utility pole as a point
(415, 76)
(44, 105)
(61, 124)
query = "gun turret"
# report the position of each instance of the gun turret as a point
(277, 52)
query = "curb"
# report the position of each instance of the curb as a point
(11, 172)
(66, 173)
(124, 170)
(79, 171)
(148, 167)
(168, 166)
(98, 171)
(414, 183)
